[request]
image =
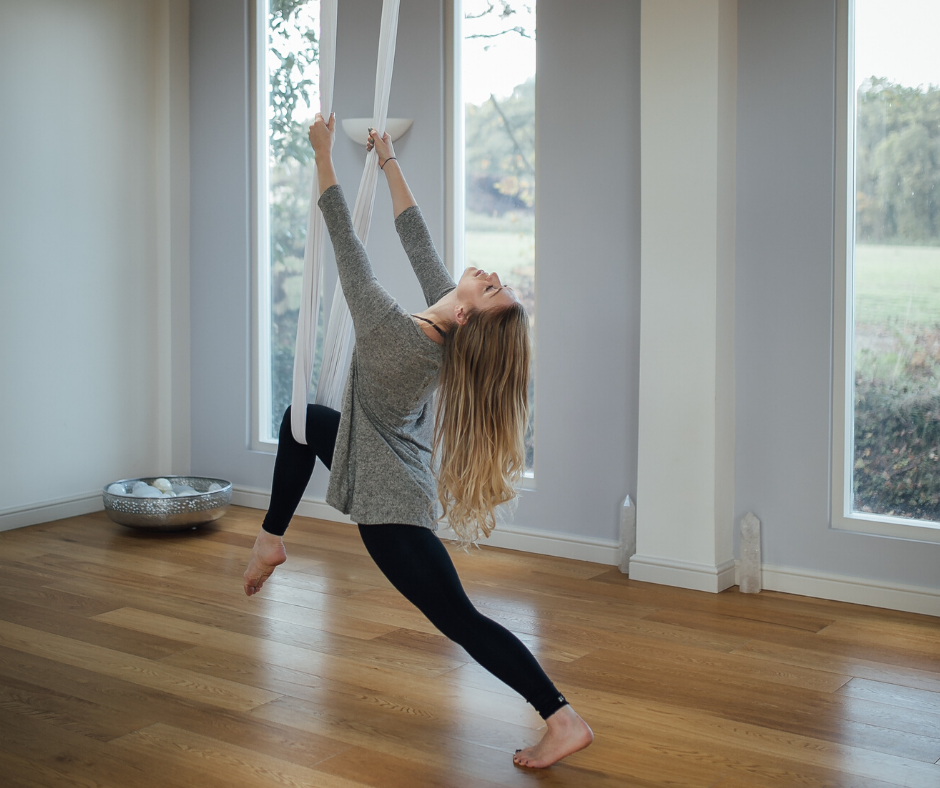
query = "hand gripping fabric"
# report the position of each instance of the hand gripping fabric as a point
(339, 331)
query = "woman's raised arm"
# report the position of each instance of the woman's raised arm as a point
(432, 274)
(402, 198)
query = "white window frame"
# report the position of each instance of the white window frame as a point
(843, 375)
(260, 240)
(455, 180)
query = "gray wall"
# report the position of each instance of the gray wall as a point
(80, 368)
(588, 279)
(588, 237)
(786, 84)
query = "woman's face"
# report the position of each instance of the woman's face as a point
(479, 290)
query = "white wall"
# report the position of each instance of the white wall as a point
(784, 301)
(588, 237)
(83, 181)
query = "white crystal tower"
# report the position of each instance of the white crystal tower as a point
(627, 534)
(750, 554)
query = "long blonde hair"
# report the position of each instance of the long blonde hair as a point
(482, 411)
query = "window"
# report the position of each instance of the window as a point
(886, 462)
(497, 78)
(285, 38)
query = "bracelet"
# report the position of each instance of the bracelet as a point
(390, 158)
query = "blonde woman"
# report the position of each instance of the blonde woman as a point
(472, 341)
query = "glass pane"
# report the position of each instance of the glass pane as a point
(292, 100)
(897, 259)
(499, 94)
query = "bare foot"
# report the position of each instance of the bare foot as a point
(567, 733)
(267, 554)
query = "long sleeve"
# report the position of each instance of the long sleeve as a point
(432, 275)
(368, 301)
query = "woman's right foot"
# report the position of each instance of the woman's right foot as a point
(567, 733)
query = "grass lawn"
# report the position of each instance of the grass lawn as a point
(897, 285)
(502, 244)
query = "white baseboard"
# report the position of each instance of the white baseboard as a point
(528, 540)
(308, 507)
(682, 574)
(508, 536)
(47, 511)
(859, 591)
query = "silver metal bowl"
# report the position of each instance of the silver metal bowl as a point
(169, 514)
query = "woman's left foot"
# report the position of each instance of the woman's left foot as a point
(267, 554)
(567, 733)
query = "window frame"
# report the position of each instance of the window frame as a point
(260, 232)
(843, 375)
(455, 186)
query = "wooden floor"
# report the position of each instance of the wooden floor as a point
(129, 659)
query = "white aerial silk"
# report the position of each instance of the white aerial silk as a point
(339, 331)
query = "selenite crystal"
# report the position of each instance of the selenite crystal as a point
(750, 569)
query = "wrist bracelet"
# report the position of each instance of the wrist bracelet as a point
(390, 158)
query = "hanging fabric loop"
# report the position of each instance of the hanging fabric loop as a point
(339, 330)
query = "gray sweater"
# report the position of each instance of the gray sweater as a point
(381, 470)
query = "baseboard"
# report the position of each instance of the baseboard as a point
(821, 585)
(682, 574)
(47, 511)
(508, 536)
(527, 540)
(308, 507)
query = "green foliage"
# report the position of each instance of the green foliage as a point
(295, 50)
(898, 163)
(897, 337)
(500, 158)
(897, 449)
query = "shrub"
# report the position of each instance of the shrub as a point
(897, 448)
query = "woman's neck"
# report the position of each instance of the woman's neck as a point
(442, 312)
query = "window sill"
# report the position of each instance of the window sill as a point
(892, 527)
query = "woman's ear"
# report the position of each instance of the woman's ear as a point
(460, 315)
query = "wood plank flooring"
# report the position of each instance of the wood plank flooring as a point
(132, 660)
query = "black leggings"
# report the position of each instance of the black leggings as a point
(416, 562)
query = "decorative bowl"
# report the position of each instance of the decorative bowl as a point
(169, 514)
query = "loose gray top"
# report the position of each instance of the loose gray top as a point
(381, 470)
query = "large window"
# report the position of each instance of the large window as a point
(891, 390)
(286, 73)
(498, 89)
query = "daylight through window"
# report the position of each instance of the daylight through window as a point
(288, 96)
(895, 457)
(498, 84)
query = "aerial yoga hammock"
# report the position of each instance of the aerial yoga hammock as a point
(339, 331)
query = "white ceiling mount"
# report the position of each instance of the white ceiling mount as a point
(357, 129)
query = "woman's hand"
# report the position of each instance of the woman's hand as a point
(382, 144)
(321, 136)
(267, 554)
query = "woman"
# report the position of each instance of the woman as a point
(472, 340)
